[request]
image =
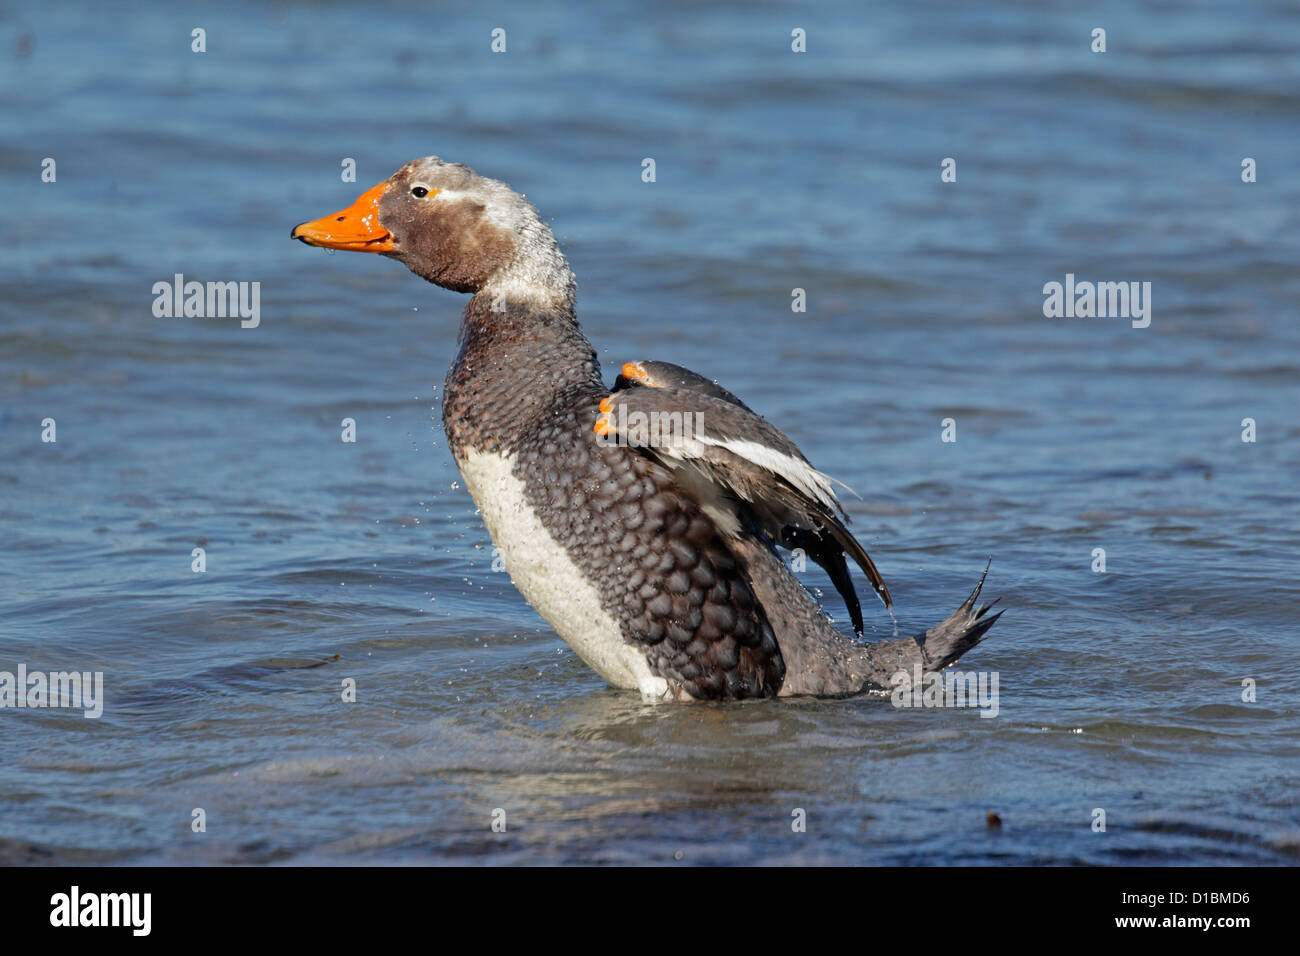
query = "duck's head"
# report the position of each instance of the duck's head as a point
(457, 229)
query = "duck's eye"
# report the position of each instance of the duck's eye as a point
(419, 192)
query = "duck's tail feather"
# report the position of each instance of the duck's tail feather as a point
(959, 631)
(934, 650)
(822, 662)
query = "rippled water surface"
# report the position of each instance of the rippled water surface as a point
(329, 561)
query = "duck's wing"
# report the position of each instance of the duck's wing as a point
(825, 547)
(656, 374)
(745, 473)
(827, 552)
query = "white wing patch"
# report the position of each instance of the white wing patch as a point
(799, 473)
(686, 441)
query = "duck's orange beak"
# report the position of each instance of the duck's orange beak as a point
(356, 228)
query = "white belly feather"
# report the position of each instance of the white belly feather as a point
(549, 579)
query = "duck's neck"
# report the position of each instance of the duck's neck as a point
(536, 276)
(523, 358)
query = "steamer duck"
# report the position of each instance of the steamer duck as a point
(652, 551)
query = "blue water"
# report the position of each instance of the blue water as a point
(329, 561)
